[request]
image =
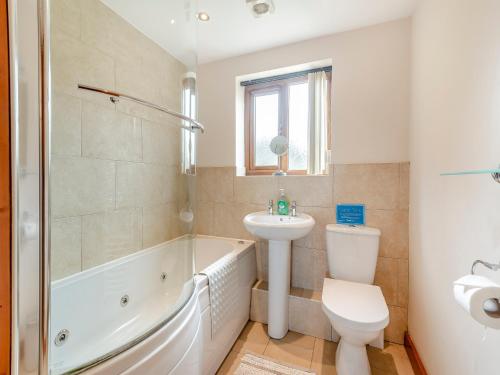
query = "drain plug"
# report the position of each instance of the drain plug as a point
(124, 300)
(61, 337)
(163, 276)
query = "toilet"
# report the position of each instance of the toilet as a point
(357, 309)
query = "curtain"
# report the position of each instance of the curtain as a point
(318, 120)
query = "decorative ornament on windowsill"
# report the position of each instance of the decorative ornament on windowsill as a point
(279, 146)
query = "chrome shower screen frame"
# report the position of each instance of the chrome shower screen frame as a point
(30, 98)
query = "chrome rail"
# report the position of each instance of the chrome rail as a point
(114, 96)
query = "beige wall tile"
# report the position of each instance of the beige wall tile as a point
(158, 223)
(81, 186)
(66, 247)
(140, 184)
(258, 305)
(161, 143)
(309, 267)
(215, 184)
(317, 239)
(65, 17)
(104, 30)
(386, 277)
(66, 129)
(256, 189)
(262, 252)
(74, 62)
(308, 191)
(228, 219)
(375, 185)
(307, 317)
(94, 46)
(110, 235)
(204, 218)
(302, 267)
(403, 289)
(394, 227)
(107, 134)
(398, 324)
(404, 185)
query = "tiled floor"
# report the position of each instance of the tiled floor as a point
(309, 352)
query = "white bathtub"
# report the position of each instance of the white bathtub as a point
(88, 306)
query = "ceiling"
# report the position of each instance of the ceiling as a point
(232, 29)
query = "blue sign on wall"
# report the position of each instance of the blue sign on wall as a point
(352, 214)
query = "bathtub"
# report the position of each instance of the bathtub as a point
(158, 286)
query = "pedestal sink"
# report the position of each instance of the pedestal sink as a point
(280, 231)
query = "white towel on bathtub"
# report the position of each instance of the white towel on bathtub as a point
(223, 290)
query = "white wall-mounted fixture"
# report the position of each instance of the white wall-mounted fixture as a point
(260, 8)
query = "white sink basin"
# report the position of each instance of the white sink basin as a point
(278, 227)
(280, 231)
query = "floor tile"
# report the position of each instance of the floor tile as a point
(323, 360)
(230, 364)
(304, 351)
(253, 339)
(298, 339)
(289, 353)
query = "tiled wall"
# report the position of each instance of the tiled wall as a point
(224, 199)
(114, 175)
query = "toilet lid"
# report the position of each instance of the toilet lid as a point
(357, 305)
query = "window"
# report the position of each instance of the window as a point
(188, 142)
(291, 106)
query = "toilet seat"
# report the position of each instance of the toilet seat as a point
(355, 305)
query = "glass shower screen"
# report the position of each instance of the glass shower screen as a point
(121, 243)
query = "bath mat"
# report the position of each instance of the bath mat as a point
(254, 365)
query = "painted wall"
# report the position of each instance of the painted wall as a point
(370, 86)
(115, 184)
(454, 220)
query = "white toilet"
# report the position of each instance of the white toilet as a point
(357, 309)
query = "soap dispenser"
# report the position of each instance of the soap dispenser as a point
(283, 203)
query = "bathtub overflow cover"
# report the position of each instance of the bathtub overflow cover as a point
(61, 337)
(163, 276)
(124, 300)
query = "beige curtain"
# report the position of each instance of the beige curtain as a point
(318, 120)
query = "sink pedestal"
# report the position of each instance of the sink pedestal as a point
(279, 288)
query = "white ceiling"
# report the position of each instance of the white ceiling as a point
(232, 30)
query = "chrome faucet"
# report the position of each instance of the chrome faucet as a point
(270, 205)
(293, 211)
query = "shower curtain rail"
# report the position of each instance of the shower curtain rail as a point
(115, 96)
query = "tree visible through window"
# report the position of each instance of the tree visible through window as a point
(282, 107)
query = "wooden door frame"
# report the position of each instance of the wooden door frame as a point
(5, 196)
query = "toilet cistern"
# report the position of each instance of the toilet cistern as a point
(280, 230)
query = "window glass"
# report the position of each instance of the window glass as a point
(266, 127)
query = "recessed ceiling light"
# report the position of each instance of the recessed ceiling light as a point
(172, 21)
(203, 16)
(260, 8)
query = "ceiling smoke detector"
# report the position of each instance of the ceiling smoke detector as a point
(260, 8)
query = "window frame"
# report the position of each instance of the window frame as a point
(280, 86)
